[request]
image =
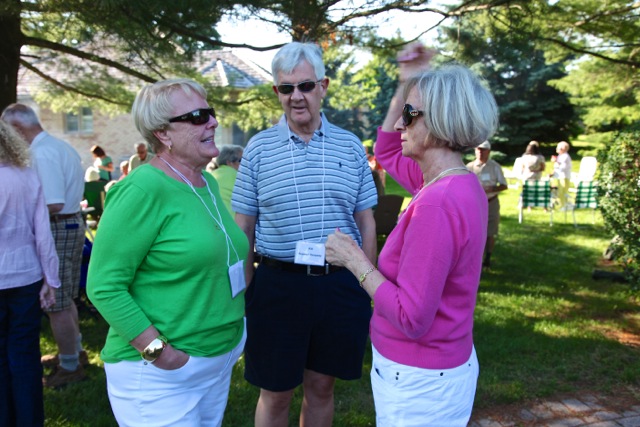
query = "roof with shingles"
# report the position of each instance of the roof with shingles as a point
(222, 67)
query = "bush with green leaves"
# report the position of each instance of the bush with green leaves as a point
(619, 197)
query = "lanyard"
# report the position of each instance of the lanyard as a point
(295, 184)
(440, 175)
(218, 220)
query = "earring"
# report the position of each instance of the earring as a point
(170, 146)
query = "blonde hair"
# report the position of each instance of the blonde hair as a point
(14, 150)
(459, 111)
(153, 107)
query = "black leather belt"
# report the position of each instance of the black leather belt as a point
(62, 217)
(309, 270)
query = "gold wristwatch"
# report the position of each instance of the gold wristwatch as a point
(154, 349)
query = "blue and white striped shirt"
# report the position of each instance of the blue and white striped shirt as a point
(280, 181)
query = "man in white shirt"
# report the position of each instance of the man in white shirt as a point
(60, 171)
(141, 157)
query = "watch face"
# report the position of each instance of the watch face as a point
(153, 350)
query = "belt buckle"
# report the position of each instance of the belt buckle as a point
(326, 270)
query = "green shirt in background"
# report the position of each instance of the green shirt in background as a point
(160, 259)
(226, 177)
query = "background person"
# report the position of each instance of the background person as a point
(27, 254)
(306, 320)
(141, 157)
(228, 162)
(102, 162)
(532, 162)
(562, 171)
(424, 369)
(60, 171)
(489, 172)
(124, 169)
(171, 295)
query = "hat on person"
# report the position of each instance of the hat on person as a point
(485, 145)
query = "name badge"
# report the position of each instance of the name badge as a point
(309, 253)
(485, 177)
(236, 278)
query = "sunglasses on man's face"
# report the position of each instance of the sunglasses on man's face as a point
(287, 89)
(196, 117)
(409, 113)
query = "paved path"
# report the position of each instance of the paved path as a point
(589, 409)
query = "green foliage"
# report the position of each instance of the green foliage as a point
(607, 94)
(516, 72)
(619, 197)
(345, 94)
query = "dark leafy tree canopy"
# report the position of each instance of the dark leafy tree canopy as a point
(518, 76)
(105, 49)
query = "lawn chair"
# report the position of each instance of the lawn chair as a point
(386, 213)
(514, 174)
(586, 198)
(535, 194)
(587, 171)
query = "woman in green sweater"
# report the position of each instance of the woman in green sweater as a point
(174, 294)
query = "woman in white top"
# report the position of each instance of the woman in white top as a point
(532, 163)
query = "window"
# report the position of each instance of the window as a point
(80, 121)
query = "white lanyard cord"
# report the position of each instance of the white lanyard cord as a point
(215, 204)
(295, 184)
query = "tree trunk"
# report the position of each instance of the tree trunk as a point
(10, 43)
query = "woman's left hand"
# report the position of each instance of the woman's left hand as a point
(47, 296)
(341, 249)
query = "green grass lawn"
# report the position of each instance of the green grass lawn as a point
(543, 326)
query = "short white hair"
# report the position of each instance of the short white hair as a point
(459, 111)
(292, 54)
(153, 107)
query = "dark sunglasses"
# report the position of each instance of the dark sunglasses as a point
(196, 117)
(409, 113)
(304, 87)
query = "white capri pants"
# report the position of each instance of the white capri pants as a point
(406, 396)
(195, 395)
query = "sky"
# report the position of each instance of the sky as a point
(259, 33)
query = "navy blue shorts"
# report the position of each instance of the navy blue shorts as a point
(297, 322)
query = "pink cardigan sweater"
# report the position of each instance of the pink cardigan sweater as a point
(423, 313)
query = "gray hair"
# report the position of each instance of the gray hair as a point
(564, 145)
(292, 54)
(459, 111)
(22, 114)
(153, 107)
(229, 154)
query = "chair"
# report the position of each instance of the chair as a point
(586, 198)
(94, 193)
(386, 213)
(515, 173)
(587, 171)
(535, 194)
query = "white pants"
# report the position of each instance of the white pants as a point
(195, 395)
(407, 396)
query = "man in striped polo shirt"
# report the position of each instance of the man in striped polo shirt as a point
(307, 321)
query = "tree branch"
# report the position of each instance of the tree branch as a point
(32, 41)
(30, 67)
(572, 48)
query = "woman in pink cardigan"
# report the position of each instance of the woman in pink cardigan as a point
(425, 368)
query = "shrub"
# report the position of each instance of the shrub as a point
(619, 197)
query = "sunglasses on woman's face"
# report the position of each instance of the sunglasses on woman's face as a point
(287, 89)
(196, 117)
(409, 113)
